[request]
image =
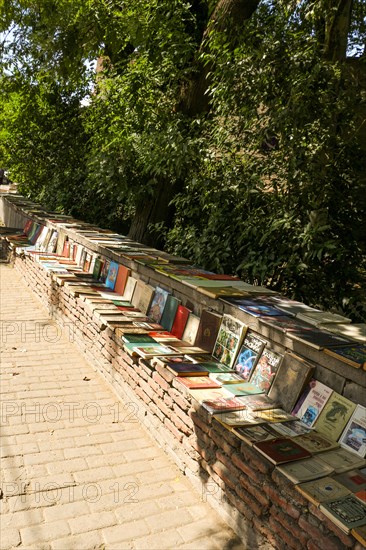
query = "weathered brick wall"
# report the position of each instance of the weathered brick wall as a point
(233, 477)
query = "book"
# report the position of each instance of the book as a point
(322, 490)
(317, 317)
(110, 281)
(316, 443)
(146, 297)
(152, 350)
(342, 460)
(137, 294)
(353, 480)
(315, 399)
(198, 382)
(164, 361)
(129, 287)
(180, 321)
(226, 378)
(354, 355)
(253, 434)
(207, 330)
(354, 331)
(104, 270)
(258, 402)
(187, 369)
(245, 388)
(305, 470)
(273, 415)
(190, 332)
(231, 419)
(249, 355)
(334, 416)
(360, 534)
(222, 404)
(256, 307)
(121, 279)
(281, 450)
(158, 303)
(353, 438)
(317, 339)
(266, 369)
(346, 512)
(292, 428)
(229, 339)
(292, 376)
(170, 310)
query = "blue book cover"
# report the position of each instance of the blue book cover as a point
(112, 275)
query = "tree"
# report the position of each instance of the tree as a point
(231, 130)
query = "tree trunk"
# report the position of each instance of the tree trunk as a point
(337, 25)
(228, 16)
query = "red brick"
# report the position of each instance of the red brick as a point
(165, 374)
(239, 505)
(286, 539)
(256, 460)
(198, 421)
(161, 381)
(253, 474)
(246, 497)
(171, 427)
(249, 486)
(348, 541)
(184, 417)
(288, 524)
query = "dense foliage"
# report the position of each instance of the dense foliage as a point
(232, 131)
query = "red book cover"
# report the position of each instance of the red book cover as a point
(198, 382)
(123, 274)
(281, 450)
(66, 250)
(180, 321)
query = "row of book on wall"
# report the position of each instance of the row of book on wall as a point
(299, 321)
(315, 436)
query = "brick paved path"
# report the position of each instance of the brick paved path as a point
(77, 471)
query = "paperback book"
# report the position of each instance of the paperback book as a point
(228, 340)
(353, 480)
(353, 437)
(334, 416)
(254, 434)
(198, 382)
(207, 330)
(187, 369)
(354, 355)
(342, 460)
(347, 512)
(249, 355)
(315, 399)
(266, 369)
(322, 490)
(316, 443)
(158, 304)
(222, 404)
(305, 470)
(292, 376)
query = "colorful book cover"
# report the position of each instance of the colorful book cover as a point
(229, 339)
(256, 307)
(354, 436)
(315, 399)
(334, 416)
(281, 450)
(158, 304)
(249, 355)
(226, 378)
(253, 434)
(187, 369)
(149, 351)
(112, 275)
(266, 369)
(258, 402)
(352, 355)
(354, 480)
(104, 270)
(222, 404)
(207, 330)
(180, 321)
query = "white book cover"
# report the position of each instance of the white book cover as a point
(314, 402)
(353, 437)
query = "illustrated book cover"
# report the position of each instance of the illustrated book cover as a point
(353, 437)
(229, 339)
(249, 355)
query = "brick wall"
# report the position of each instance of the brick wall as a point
(233, 477)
